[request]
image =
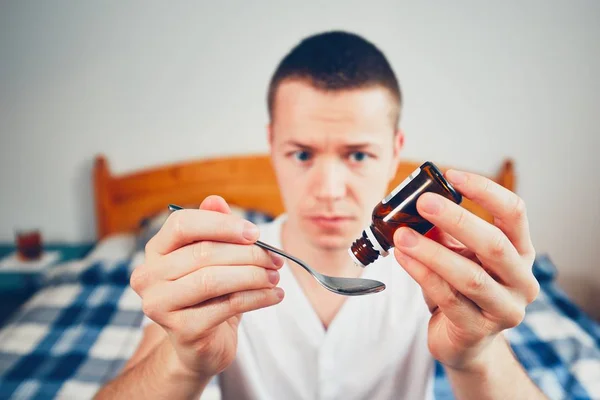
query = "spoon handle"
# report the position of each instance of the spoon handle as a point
(281, 253)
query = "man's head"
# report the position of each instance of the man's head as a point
(334, 105)
(337, 61)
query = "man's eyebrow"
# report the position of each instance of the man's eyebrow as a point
(346, 147)
(361, 146)
(298, 144)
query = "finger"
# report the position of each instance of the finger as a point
(470, 279)
(208, 283)
(215, 203)
(202, 317)
(450, 242)
(488, 242)
(198, 255)
(439, 294)
(508, 209)
(445, 239)
(187, 226)
(530, 286)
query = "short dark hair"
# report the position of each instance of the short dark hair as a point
(336, 60)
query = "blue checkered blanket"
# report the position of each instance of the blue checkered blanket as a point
(84, 323)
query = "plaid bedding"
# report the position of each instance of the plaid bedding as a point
(80, 328)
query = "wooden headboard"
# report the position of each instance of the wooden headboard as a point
(245, 181)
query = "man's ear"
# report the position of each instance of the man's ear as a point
(398, 146)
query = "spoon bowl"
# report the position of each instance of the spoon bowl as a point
(339, 285)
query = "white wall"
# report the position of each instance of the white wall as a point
(185, 80)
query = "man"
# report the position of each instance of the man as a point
(220, 306)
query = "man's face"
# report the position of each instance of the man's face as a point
(334, 154)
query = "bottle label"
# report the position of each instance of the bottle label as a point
(398, 188)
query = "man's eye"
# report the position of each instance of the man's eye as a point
(358, 156)
(302, 155)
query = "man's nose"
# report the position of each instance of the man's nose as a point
(329, 181)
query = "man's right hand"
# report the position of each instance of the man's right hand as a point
(201, 273)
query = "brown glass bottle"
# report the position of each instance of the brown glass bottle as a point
(397, 209)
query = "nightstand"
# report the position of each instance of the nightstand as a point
(19, 283)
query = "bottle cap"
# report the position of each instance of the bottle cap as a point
(375, 243)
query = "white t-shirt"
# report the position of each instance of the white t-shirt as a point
(375, 347)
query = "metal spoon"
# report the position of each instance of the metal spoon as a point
(339, 285)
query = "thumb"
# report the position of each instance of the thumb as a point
(215, 203)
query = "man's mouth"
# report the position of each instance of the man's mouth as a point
(330, 221)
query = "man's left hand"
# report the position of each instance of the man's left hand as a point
(476, 277)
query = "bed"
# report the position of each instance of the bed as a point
(84, 321)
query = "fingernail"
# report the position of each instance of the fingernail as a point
(279, 292)
(273, 276)
(456, 177)
(408, 238)
(250, 231)
(431, 203)
(277, 260)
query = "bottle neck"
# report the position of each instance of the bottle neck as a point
(362, 251)
(375, 241)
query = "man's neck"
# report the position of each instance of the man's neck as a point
(335, 263)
